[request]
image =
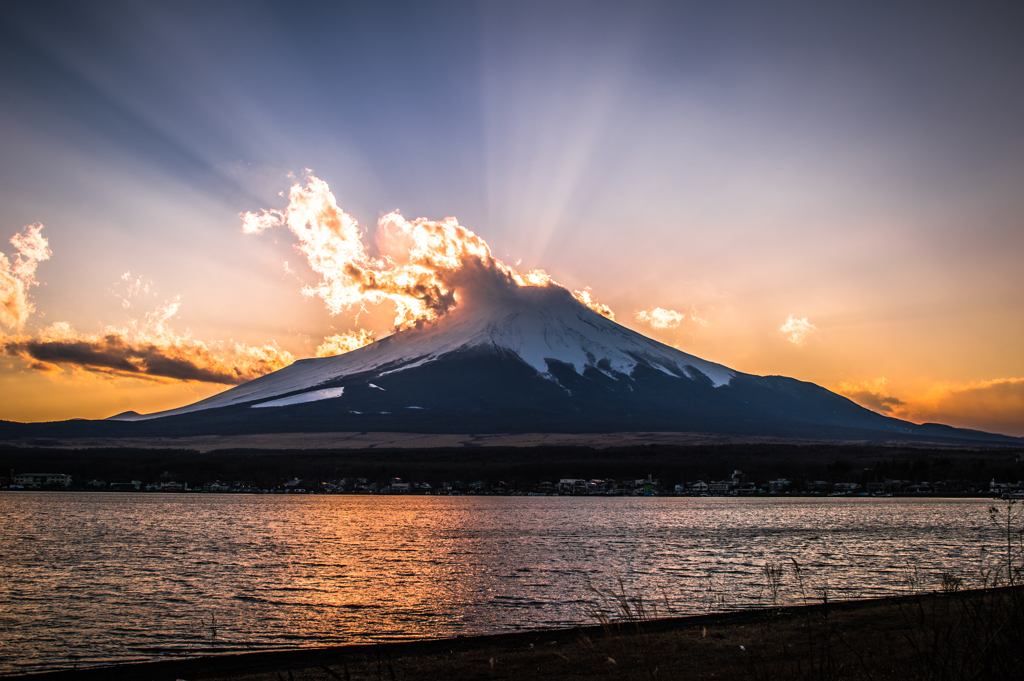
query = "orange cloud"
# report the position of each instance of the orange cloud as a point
(874, 395)
(426, 267)
(45, 367)
(587, 298)
(114, 353)
(994, 406)
(146, 348)
(17, 277)
(340, 343)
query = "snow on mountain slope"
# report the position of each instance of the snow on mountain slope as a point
(534, 323)
(311, 396)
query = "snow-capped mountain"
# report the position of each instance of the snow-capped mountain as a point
(530, 359)
(537, 326)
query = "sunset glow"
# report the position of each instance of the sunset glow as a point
(829, 194)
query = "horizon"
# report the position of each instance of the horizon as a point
(827, 194)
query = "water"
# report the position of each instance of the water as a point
(90, 578)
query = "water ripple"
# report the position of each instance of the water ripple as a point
(99, 578)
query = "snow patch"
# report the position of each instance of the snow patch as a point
(312, 396)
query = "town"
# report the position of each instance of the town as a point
(736, 485)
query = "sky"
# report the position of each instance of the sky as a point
(828, 191)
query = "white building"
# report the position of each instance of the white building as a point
(720, 486)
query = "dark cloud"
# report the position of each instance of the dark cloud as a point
(885, 404)
(112, 353)
(44, 367)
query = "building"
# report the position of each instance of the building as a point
(719, 486)
(572, 486)
(39, 480)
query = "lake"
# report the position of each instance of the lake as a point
(98, 578)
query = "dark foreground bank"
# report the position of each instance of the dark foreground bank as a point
(965, 635)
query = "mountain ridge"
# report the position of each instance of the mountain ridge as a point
(527, 359)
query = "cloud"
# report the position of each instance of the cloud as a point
(587, 298)
(340, 343)
(114, 354)
(798, 331)
(660, 318)
(874, 395)
(129, 288)
(995, 406)
(17, 277)
(146, 348)
(45, 368)
(425, 268)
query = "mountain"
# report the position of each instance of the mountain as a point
(527, 360)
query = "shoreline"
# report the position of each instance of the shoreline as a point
(988, 495)
(758, 470)
(368, 440)
(712, 642)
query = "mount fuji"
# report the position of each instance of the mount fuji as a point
(529, 359)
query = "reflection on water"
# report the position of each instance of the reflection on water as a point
(88, 578)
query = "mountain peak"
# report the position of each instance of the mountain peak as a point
(531, 359)
(535, 324)
(124, 416)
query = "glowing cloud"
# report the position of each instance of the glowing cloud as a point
(113, 352)
(873, 394)
(587, 298)
(660, 318)
(426, 267)
(146, 348)
(340, 343)
(996, 405)
(798, 331)
(17, 277)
